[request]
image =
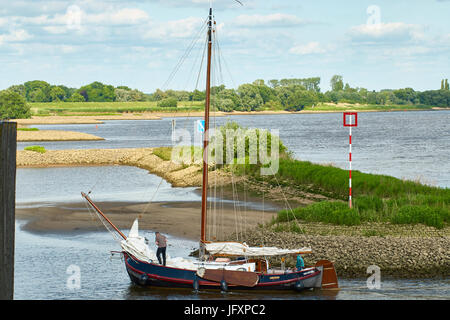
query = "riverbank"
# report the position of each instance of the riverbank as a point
(418, 254)
(404, 250)
(396, 256)
(178, 175)
(54, 135)
(97, 118)
(83, 119)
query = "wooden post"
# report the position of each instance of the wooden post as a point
(8, 145)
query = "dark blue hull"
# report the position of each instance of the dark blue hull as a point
(150, 274)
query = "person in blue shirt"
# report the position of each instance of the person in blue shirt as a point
(300, 263)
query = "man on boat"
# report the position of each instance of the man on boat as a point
(300, 263)
(161, 242)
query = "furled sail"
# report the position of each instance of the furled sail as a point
(136, 246)
(242, 249)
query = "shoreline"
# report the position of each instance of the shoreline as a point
(54, 135)
(419, 253)
(158, 115)
(399, 257)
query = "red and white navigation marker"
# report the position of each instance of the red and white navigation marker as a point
(350, 124)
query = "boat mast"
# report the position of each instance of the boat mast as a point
(206, 139)
(102, 214)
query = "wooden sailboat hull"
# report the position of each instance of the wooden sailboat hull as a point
(151, 274)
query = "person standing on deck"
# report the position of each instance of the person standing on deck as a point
(161, 242)
(300, 263)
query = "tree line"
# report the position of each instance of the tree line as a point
(285, 94)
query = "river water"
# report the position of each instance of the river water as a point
(411, 145)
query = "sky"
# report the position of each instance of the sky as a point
(372, 44)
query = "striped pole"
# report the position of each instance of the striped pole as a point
(350, 124)
(350, 166)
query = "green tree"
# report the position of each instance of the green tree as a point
(57, 93)
(168, 103)
(446, 86)
(97, 92)
(225, 105)
(76, 97)
(20, 89)
(197, 95)
(37, 91)
(13, 106)
(250, 98)
(337, 83)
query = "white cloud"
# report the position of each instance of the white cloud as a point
(183, 28)
(387, 31)
(309, 48)
(271, 20)
(127, 16)
(15, 36)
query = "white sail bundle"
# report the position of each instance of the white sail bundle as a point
(136, 246)
(242, 249)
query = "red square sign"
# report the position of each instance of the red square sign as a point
(348, 119)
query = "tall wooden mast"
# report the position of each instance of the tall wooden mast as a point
(206, 138)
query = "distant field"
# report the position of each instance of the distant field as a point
(80, 108)
(113, 108)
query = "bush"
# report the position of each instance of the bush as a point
(36, 149)
(168, 103)
(13, 106)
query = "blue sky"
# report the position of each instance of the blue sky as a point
(372, 44)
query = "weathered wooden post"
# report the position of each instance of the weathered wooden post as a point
(8, 145)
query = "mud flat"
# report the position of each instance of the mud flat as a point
(179, 219)
(55, 135)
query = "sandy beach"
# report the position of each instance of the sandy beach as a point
(55, 135)
(97, 119)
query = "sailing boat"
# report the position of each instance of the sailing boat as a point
(220, 265)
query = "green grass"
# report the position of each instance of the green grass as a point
(78, 108)
(376, 198)
(36, 149)
(27, 129)
(165, 153)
